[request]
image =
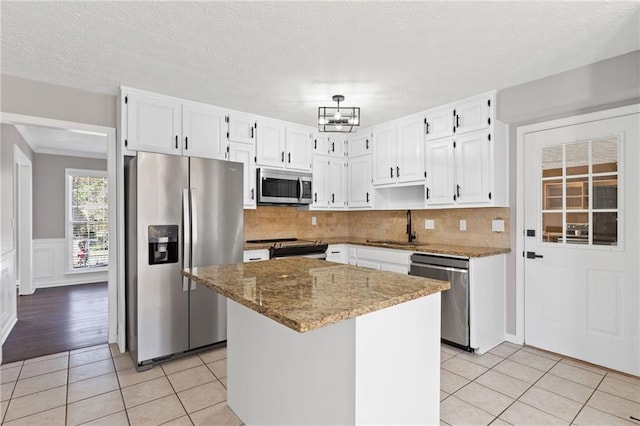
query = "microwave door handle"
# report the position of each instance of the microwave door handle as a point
(186, 237)
(300, 191)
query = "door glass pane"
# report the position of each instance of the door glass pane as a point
(605, 192)
(604, 153)
(552, 190)
(605, 229)
(577, 194)
(577, 158)
(552, 161)
(577, 229)
(552, 227)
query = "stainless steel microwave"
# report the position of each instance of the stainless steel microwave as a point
(283, 187)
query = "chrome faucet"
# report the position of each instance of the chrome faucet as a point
(411, 234)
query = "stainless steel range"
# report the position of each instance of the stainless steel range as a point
(291, 247)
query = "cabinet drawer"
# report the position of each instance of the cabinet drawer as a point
(255, 255)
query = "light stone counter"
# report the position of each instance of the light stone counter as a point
(305, 294)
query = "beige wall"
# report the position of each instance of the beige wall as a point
(9, 138)
(281, 222)
(49, 191)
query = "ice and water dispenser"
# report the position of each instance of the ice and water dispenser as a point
(163, 244)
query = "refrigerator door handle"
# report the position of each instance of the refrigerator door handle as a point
(194, 232)
(186, 237)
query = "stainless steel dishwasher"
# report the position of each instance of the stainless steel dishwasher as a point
(455, 301)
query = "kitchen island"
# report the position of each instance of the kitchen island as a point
(312, 342)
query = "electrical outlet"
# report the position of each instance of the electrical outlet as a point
(314, 220)
(463, 225)
(429, 224)
(497, 225)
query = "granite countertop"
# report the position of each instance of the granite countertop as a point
(305, 294)
(447, 249)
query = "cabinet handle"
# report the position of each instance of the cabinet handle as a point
(367, 144)
(333, 198)
(397, 171)
(186, 143)
(282, 156)
(427, 192)
(333, 147)
(315, 144)
(315, 197)
(367, 197)
(458, 190)
(427, 123)
(457, 121)
(335, 252)
(289, 158)
(391, 168)
(253, 191)
(251, 132)
(176, 141)
(252, 259)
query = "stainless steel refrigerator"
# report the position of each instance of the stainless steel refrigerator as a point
(180, 212)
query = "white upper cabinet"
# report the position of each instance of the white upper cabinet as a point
(398, 152)
(319, 184)
(270, 144)
(298, 147)
(439, 123)
(242, 128)
(384, 155)
(245, 153)
(439, 188)
(360, 189)
(203, 131)
(473, 166)
(337, 183)
(336, 146)
(473, 114)
(153, 123)
(410, 149)
(320, 143)
(359, 144)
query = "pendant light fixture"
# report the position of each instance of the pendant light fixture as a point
(337, 119)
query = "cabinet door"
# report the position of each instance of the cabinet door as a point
(320, 143)
(440, 172)
(270, 144)
(299, 147)
(410, 150)
(320, 168)
(439, 123)
(473, 168)
(359, 182)
(153, 124)
(337, 179)
(472, 115)
(203, 132)
(241, 128)
(359, 144)
(245, 153)
(368, 264)
(384, 156)
(336, 146)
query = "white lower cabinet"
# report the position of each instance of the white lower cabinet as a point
(380, 258)
(255, 255)
(487, 281)
(338, 253)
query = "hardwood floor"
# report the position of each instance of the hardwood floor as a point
(58, 319)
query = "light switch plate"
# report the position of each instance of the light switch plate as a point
(314, 220)
(497, 225)
(429, 224)
(463, 225)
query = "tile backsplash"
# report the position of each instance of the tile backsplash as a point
(282, 222)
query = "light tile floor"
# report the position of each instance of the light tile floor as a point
(509, 385)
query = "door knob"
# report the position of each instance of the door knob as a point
(533, 255)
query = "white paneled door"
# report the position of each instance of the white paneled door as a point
(581, 216)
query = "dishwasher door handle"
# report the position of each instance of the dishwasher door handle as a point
(440, 268)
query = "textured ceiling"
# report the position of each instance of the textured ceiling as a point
(284, 59)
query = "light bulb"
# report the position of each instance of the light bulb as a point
(321, 121)
(337, 115)
(338, 126)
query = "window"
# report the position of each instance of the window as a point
(580, 192)
(87, 225)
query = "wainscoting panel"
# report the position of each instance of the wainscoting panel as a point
(8, 300)
(50, 266)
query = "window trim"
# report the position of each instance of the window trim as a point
(68, 173)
